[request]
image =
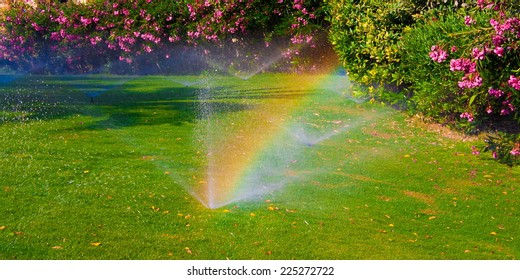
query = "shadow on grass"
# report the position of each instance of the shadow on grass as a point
(127, 100)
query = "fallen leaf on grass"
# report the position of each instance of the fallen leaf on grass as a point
(493, 233)
(95, 244)
(188, 250)
(252, 215)
(3, 227)
(431, 218)
(57, 247)
(226, 211)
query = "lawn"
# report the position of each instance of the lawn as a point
(109, 167)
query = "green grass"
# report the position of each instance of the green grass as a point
(113, 173)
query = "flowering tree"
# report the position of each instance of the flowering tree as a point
(58, 37)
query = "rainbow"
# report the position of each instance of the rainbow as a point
(236, 157)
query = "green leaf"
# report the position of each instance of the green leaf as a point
(472, 99)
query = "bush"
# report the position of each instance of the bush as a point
(470, 59)
(365, 36)
(433, 88)
(470, 70)
(72, 37)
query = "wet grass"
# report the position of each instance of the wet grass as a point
(108, 179)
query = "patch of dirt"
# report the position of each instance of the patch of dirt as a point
(361, 178)
(430, 211)
(428, 199)
(441, 130)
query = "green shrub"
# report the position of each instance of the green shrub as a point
(366, 36)
(463, 69)
(434, 90)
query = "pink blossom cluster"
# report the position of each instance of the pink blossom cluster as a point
(468, 116)
(514, 82)
(437, 54)
(497, 93)
(470, 80)
(468, 20)
(463, 64)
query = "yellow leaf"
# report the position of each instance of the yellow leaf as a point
(167, 172)
(493, 233)
(226, 211)
(406, 156)
(3, 227)
(431, 218)
(391, 225)
(57, 247)
(270, 208)
(252, 214)
(95, 244)
(188, 250)
(488, 176)
(86, 171)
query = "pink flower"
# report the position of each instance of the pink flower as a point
(495, 92)
(470, 80)
(463, 64)
(437, 54)
(514, 82)
(468, 20)
(478, 54)
(475, 151)
(499, 51)
(468, 116)
(498, 40)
